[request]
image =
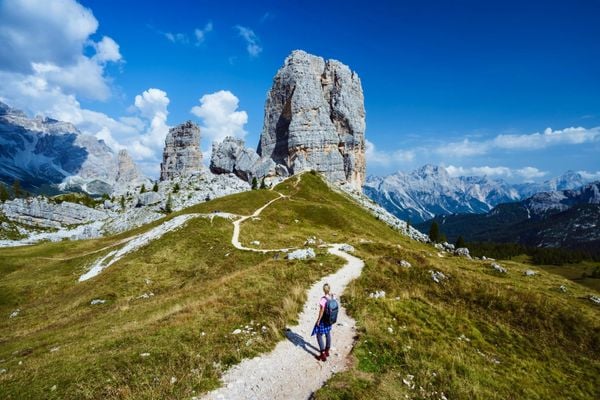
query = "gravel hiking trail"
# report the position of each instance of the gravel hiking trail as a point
(291, 371)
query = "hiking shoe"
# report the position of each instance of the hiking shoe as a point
(326, 352)
(321, 357)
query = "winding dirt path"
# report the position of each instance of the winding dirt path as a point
(291, 371)
(235, 239)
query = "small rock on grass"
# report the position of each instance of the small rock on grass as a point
(437, 276)
(301, 254)
(530, 272)
(498, 268)
(594, 299)
(97, 301)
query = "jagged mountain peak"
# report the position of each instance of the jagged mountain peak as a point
(429, 191)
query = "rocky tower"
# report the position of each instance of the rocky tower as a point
(127, 171)
(315, 119)
(182, 156)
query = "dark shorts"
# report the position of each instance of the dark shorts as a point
(322, 329)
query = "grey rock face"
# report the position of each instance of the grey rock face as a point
(231, 156)
(315, 119)
(127, 171)
(182, 156)
(40, 212)
(148, 198)
(43, 151)
(301, 254)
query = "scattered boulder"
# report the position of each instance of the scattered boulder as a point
(182, 156)
(255, 243)
(529, 272)
(462, 252)
(405, 264)
(437, 276)
(315, 119)
(15, 313)
(378, 294)
(439, 246)
(97, 301)
(498, 268)
(301, 254)
(562, 288)
(448, 246)
(347, 248)
(594, 299)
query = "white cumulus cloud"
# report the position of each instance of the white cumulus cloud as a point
(43, 49)
(220, 116)
(385, 158)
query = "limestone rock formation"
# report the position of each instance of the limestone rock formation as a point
(231, 156)
(127, 171)
(40, 212)
(315, 119)
(182, 156)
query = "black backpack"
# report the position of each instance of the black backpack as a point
(331, 312)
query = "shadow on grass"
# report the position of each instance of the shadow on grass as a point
(299, 341)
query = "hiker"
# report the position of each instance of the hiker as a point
(328, 308)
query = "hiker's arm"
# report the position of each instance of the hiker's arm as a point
(321, 310)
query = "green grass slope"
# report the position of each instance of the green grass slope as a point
(476, 335)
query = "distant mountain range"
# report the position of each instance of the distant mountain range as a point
(564, 218)
(46, 155)
(430, 191)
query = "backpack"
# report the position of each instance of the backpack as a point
(331, 312)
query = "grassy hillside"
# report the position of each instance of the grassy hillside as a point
(477, 335)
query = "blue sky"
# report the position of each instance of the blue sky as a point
(505, 88)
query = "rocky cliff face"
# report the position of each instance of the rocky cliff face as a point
(45, 155)
(315, 119)
(40, 212)
(182, 156)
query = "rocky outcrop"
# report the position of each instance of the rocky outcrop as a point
(40, 212)
(315, 119)
(231, 156)
(182, 156)
(127, 171)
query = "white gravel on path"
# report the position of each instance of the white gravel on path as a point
(291, 371)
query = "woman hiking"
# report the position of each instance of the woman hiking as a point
(323, 325)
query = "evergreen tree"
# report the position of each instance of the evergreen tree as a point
(143, 188)
(443, 238)
(3, 193)
(460, 242)
(122, 202)
(169, 205)
(254, 183)
(176, 188)
(155, 187)
(16, 188)
(434, 232)
(408, 225)
(262, 184)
